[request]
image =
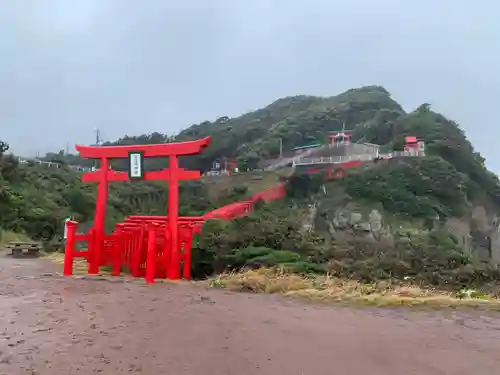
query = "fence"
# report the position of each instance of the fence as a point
(333, 159)
(52, 164)
(364, 157)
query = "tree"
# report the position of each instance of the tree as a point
(4, 147)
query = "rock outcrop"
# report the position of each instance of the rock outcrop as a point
(343, 218)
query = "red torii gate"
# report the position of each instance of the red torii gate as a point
(136, 155)
(345, 135)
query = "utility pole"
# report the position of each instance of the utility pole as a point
(342, 132)
(97, 137)
(97, 143)
(281, 148)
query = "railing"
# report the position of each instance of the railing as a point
(412, 153)
(363, 157)
(290, 160)
(52, 164)
(333, 159)
(368, 148)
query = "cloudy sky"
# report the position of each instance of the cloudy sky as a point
(68, 67)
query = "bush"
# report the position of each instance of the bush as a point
(430, 260)
(302, 186)
(422, 189)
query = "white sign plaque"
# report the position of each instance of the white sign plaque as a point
(136, 168)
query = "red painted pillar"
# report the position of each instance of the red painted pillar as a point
(187, 252)
(329, 172)
(100, 214)
(332, 140)
(166, 251)
(69, 251)
(151, 256)
(174, 272)
(118, 247)
(137, 243)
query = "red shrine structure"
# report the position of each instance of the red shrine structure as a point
(224, 166)
(343, 137)
(123, 246)
(413, 144)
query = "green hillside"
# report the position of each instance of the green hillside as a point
(256, 135)
(370, 111)
(436, 214)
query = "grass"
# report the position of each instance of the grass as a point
(255, 182)
(331, 289)
(8, 236)
(79, 265)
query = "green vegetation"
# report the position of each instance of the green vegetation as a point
(265, 238)
(446, 184)
(35, 200)
(445, 141)
(296, 120)
(272, 236)
(420, 188)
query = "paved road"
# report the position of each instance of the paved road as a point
(52, 325)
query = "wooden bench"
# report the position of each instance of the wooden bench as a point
(20, 248)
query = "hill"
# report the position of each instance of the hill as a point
(36, 199)
(369, 111)
(373, 116)
(435, 217)
(254, 136)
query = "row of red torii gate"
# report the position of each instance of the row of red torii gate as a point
(148, 246)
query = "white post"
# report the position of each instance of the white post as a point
(66, 227)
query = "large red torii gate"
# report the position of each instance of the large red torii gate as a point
(136, 155)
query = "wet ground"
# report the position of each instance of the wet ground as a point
(52, 325)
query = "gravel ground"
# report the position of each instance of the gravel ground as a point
(53, 325)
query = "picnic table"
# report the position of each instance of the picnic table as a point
(19, 248)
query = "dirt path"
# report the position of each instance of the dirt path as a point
(52, 325)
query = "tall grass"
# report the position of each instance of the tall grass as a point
(332, 289)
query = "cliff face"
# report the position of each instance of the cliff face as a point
(479, 232)
(339, 216)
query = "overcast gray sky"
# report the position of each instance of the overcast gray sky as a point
(68, 67)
